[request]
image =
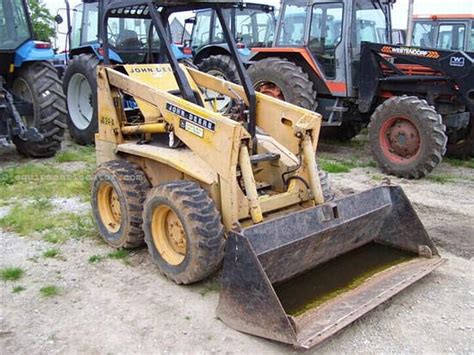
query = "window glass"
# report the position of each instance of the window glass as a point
(325, 34)
(14, 28)
(451, 37)
(202, 29)
(90, 23)
(128, 33)
(370, 23)
(293, 24)
(423, 35)
(76, 26)
(471, 44)
(218, 32)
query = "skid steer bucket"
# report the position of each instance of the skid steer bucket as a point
(300, 278)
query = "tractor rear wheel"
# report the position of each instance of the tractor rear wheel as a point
(407, 137)
(39, 84)
(183, 231)
(284, 80)
(80, 86)
(118, 192)
(222, 67)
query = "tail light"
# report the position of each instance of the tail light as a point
(187, 50)
(42, 45)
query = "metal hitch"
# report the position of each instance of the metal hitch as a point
(300, 278)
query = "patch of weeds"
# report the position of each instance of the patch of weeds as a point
(82, 227)
(208, 287)
(119, 254)
(49, 291)
(84, 154)
(95, 259)
(336, 167)
(468, 163)
(377, 177)
(22, 182)
(42, 203)
(11, 273)
(439, 178)
(51, 253)
(55, 237)
(18, 289)
(187, 318)
(25, 219)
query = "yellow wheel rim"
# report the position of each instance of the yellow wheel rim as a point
(168, 235)
(109, 207)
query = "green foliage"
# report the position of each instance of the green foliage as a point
(49, 291)
(51, 253)
(336, 167)
(11, 273)
(81, 154)
(95, 259)
(42, 20)
(468, 163)
(18, 289)
(118, 254)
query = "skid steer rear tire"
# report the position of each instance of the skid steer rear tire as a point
(282, 79)
(119, 184)
(40, 81)
(183, 231)
(407, 137)
(80, 80)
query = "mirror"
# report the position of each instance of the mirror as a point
(58, 19)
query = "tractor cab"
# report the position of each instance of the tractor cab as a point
(450, 32)
(330, 31)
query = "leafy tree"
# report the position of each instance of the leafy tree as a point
(42, 20)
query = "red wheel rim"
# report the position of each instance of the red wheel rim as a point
(271, 89)
(400, 140)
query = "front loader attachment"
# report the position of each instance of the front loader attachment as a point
(300, 278)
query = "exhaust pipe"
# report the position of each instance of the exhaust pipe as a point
(301, 278)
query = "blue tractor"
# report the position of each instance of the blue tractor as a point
(132, 40)
(32, 104)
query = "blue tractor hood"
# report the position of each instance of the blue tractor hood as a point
(32, 51)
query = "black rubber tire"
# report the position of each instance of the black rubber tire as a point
(222, 63)
(203, 228)
(49, 109)
(294, 83)
(131, 186)
(343, 133)
(85, 64)
(464, 148)
(431, 130)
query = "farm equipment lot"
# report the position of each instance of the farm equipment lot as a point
(97, 300)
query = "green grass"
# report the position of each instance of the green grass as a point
(440, 178)
(11, 273)
(209, 287)
(55, 237)
(51, 253)
(468, 163)
(81, 154)
(95, 259)
(119, 254)
(18, 289)
(336, 167)
(49, 291)
(43, 181)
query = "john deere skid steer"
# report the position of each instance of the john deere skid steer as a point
(201, 188)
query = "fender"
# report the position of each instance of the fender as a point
(28, 52)
(94, 49)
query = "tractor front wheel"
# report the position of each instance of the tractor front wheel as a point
(118, 192)
(222, 67)
(284, 80)
(183, 231)
(38, 83)
(80, 86)
(407, 137)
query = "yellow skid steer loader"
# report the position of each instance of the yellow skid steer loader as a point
(200, 187)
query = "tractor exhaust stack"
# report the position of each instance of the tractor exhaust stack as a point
(300, 278)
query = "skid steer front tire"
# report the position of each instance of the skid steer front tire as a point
(38, 83)
(80, 87)
(183, 231)
(407, 137)
(118, 192)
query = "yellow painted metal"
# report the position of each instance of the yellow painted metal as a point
(250, 186)
(12, 68)
(108, 204)
(310, 160)
(212, 155)
(168, 235)
(150, 128)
